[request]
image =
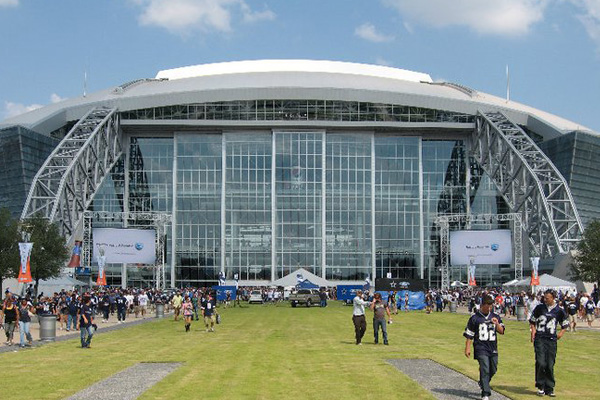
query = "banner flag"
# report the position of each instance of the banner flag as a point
(101, 281)
(535, 277)
(472, 267)
(221, 278)
(25, 270)
(76, 256)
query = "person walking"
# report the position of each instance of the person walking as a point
(358, 316)
(86, 323)
(379, 309)
(208, 313)
(545, 319)
(25, 312)
(188, 311)
(11, 319)
(176, 301)
(121, 302)
(481, 329)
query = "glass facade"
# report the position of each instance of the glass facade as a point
(22, 153)
(260, 204)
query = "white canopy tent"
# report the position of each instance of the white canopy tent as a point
(547, 281)
(292, 279)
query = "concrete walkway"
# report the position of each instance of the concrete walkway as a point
(128, 384)
(62, 335)
(443, 383)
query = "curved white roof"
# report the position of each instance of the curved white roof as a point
(292, 80)
(332, 67)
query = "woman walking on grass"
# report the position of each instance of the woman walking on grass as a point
(188, 311)
(11, 319)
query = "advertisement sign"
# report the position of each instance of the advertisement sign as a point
(75, 261)
(535, 276)
(396, 284)
(25, 270)
(130, 246)
(485, 247)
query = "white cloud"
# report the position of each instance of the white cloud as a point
(368, 32)
(497, 17)
(409, 28)
(590, 17)
(54, 98)
(383, 61)
(186, 16)
(13, 109)
(256, 16)
(9, 3)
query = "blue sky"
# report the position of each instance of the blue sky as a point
(551, 46)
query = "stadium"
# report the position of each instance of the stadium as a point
(258, 168)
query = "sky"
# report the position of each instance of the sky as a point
(552, 47)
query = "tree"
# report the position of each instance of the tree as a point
(9, 247)
(50, 251)
(587, 258)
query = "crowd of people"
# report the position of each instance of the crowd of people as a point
(549, 313)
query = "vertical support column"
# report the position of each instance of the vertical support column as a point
(173, 221)
(127, 148)
(421, 216)
(273, 207)
(444, 238)
(223, 239)
(373, 192)
(323, 204)
(518, 231)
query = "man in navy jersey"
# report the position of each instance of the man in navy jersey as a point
(481, 329)
(545, 319)
(571, 309)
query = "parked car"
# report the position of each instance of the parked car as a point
(255, 297)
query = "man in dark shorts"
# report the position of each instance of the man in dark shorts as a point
(481, 329)
(86, 323)
(545, 319)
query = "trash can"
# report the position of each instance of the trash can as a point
(453, 306)
(47, 327)
(521, 313)
(160, 310)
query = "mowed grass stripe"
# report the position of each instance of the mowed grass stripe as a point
(274, 352)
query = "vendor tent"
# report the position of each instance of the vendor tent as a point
(547, 281)
(50, 286)
(292, 279)
(306, 284)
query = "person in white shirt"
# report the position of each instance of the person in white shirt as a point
(358, 316)
(143, 299)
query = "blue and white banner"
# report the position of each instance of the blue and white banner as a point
(128, 246)
(221, 278)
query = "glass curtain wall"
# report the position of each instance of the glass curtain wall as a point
(397, 219)
(248, 206)
(298, 187)
(150, 190)
(198, 219)
(348, 202)
(444, 192)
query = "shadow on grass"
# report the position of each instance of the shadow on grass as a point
(463, 394)
(514, 389)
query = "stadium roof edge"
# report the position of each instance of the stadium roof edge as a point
(322, 66)
(291, 80)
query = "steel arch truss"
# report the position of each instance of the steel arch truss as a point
(444, 221)
(529, 183)
(65, 185)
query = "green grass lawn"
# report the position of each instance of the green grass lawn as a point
(279, 352)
